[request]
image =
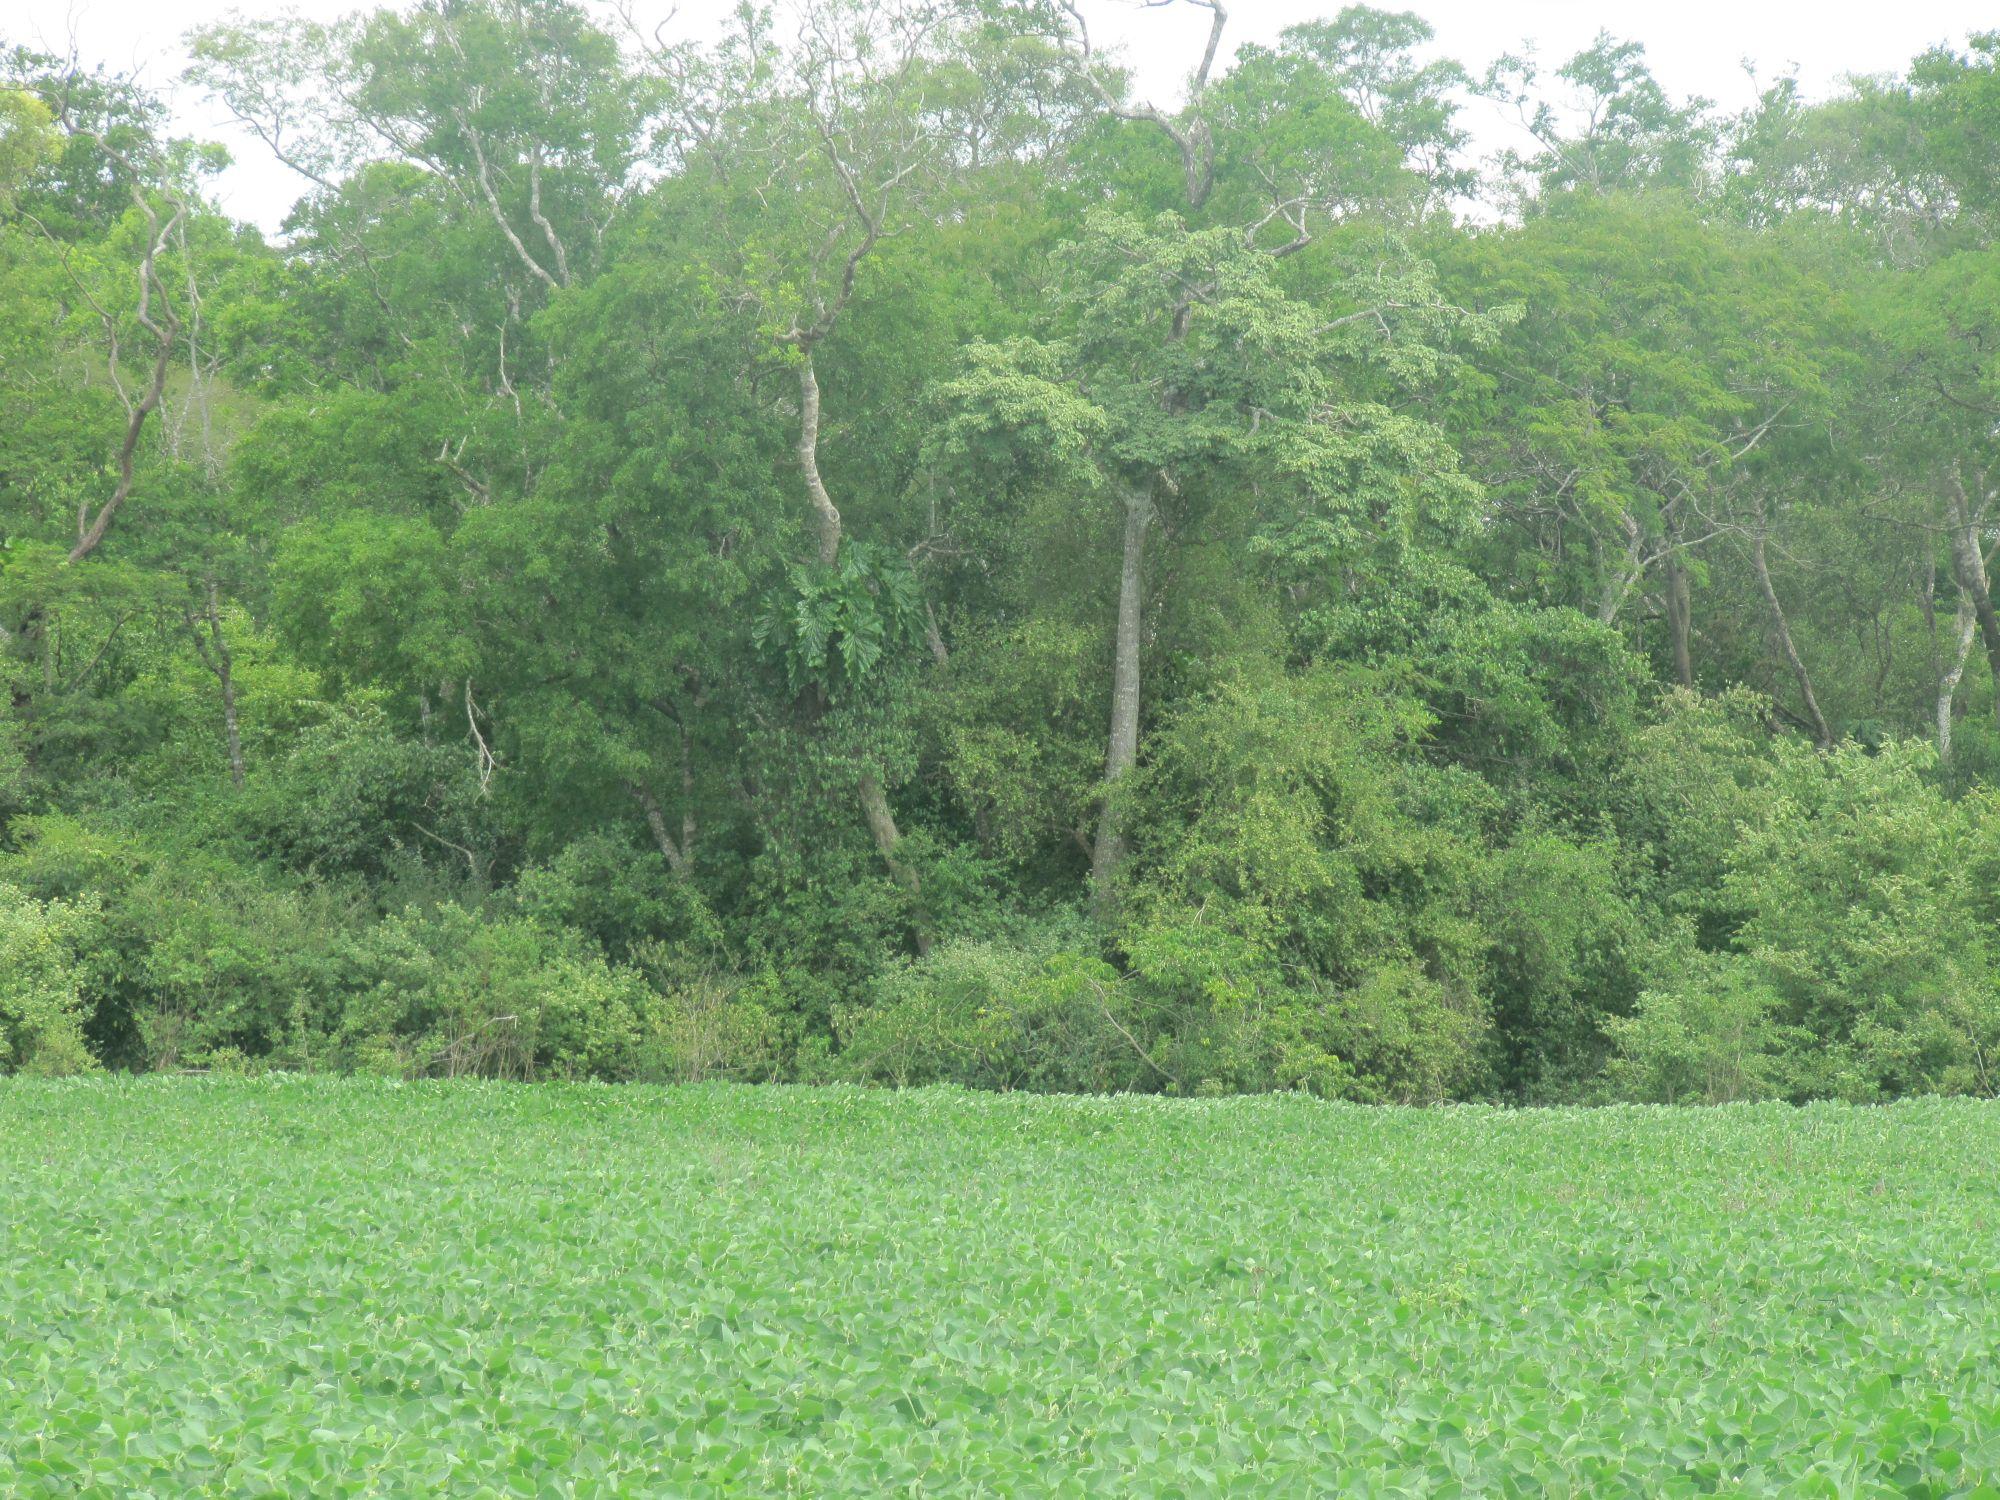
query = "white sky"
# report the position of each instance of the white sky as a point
(1693, 46)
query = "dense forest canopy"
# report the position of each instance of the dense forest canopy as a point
(861, 548)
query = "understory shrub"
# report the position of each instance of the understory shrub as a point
(1862, 960)
(1402, 1037)
(1710, 1036)
(41, 983)
(708, 1025)
(1195, 1012)
(1311, 907)
(1559, 935)
(998, 1015)
(1227, 1019)
(623, 898)
(449, 992)
(193, 951)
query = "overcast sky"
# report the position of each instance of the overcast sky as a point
(1694, 46)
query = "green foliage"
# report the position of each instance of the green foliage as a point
(1561, 934)
(42, 978)
(830, 628)
(27, 139)
(1400, 627)
(349, 796)
(1697, 775)
(1859, 963)
(1621, 130)
(344, 1285)
(192, 950)
(1398, 1037)
(1014, 1015)
(447, 993)
(1708, 1035)
(1869, 908)
(701, 1029)
(621, 898)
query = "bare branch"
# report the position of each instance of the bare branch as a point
(1190, 137)
(535, 267)
(488, 763)
(156, 314)
(535, 213)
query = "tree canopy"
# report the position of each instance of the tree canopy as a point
(864, 548)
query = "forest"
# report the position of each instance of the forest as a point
(863, 548)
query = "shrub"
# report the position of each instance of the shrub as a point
(1003, 1016)
(1871, 917)
(1197, 1011)
(227, 961)
(1696, 775)
(711, 1028)
(349, 796)
(1559, 931)
(450, 993)
(192, 950)
(1229, 1023)
(622, 897)
(41, 983)
(1405, 1037)
(1712, 1037)
(1862, 960)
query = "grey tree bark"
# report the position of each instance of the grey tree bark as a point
(679, 853)
(165, 332)
(1965, 627)
(826, 515)
(1781, 632)
(1970, 565)
(882, 825)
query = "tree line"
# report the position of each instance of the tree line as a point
(863, 547)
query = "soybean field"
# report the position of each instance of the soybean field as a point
(292, 1286)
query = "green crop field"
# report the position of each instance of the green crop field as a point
(349, 1288)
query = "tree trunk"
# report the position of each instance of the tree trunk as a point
(826, 515)
(226, 676)
(874, 801)
(1781, 631)
(882, 824)
(679, 857)
(164, 330)
(1966, 626)
(934, 637)
(1970, 565)
(1618, 585)
(1108, 853)
(1680, 619)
